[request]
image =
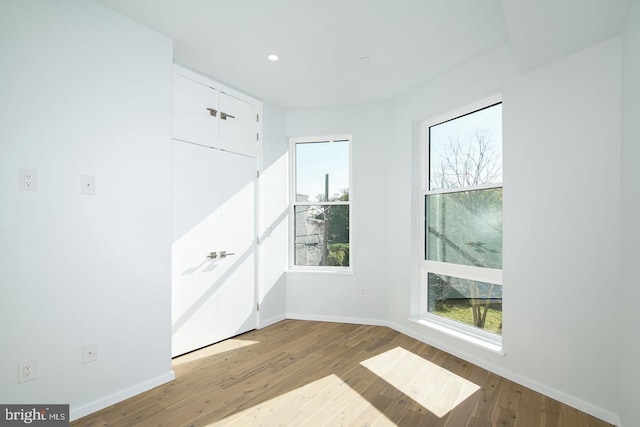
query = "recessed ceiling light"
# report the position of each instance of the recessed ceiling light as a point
(365, 59)
(273, 57)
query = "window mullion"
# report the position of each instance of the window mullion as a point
(463, 189)
(489, 275)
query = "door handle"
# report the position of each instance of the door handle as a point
(224, 254)
(224, 116)
(213, 255)
(213, 112)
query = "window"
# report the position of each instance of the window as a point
(461, 271)
(320, 203)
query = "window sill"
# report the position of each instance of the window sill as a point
(479, 342)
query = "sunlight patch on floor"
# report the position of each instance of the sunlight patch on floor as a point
(212, 350)
(430, 385)
(328, 401)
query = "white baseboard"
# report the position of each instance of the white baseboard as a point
(119, 396)
(574, 402)
(337, 319)
(273, 320)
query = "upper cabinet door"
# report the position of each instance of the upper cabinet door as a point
(195, 111)
(238, 123)
(210, 114)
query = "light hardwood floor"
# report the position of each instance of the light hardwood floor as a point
(300, 373)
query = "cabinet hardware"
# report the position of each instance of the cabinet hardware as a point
(224, 254)
(224, 116)
(213, 112)
(213, 255)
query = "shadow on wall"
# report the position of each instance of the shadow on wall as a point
(211, 290)
(210, 264)
(273, 304)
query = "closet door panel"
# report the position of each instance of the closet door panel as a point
(238, 124)
(194, 282)
(195, 111)
(237, 302)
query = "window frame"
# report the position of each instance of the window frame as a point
(482, 274)
(293, 203)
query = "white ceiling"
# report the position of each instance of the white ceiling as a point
(543, 30)
(320, 42)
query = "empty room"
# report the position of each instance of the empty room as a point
(304, 213)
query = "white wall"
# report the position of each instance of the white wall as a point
(562, 231)
(274, 205)
(561, 209)
(84, 92)
(630, 291)
(337, 296)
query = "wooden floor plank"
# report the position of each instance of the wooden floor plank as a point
(529, 412)
(551, 412)
(507, 417)
(461, 414)
(489, 398)
(302, 373)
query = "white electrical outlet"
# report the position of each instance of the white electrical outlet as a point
(27, 370)
(28, 180)
(363, 292)
(89, 353)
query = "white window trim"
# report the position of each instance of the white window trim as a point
(459, 330)
(292, 204)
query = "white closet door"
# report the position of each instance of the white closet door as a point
(238, 124)
(213, 211)
(194, 276)
(237, 311)
(195, 111)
